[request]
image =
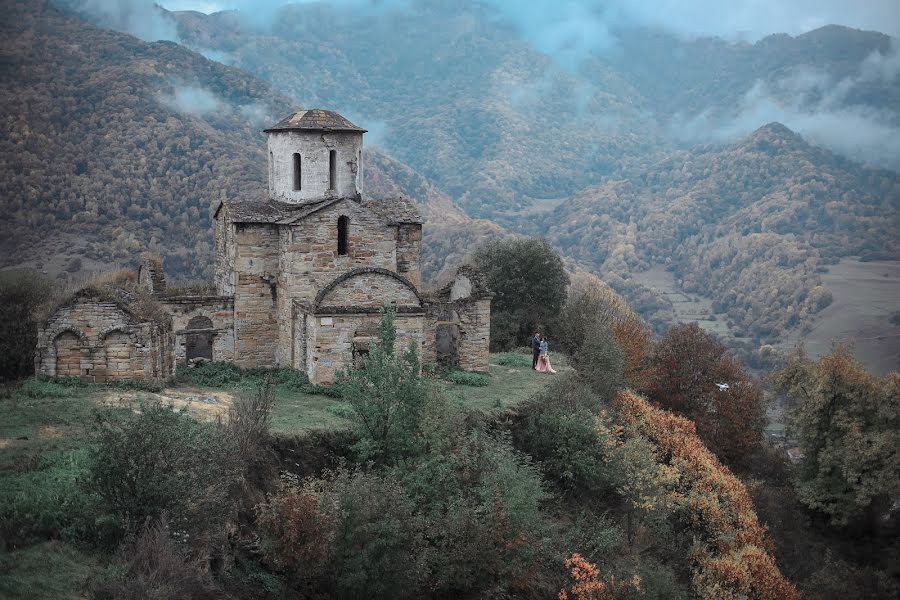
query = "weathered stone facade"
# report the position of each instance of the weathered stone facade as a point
(100, 340)
(302, 276)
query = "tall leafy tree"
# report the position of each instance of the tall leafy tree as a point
(847, 423)
(695, 377)
(529, 281)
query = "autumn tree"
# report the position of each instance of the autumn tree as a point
(847, 423)
(529, 282)
(691, 370)
(593, 308)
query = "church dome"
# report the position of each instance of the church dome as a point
(314, 119)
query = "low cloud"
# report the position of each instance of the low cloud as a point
(814, 104)
(192, 100)
(141, 18)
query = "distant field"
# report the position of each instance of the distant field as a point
(687, 307)
(866, 295)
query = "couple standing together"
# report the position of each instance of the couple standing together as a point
(540, 354)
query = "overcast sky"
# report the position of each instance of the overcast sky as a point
(751, 18)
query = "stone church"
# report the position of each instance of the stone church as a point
(302, 277)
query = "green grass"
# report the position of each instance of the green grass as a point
(297, 412)
(508, 385)
(46, 571)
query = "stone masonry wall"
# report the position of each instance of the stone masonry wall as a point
(409, 252)
(219, 309)
(225, 249)
(309, 260)
(370, 290)
(474, 334)
(331, 340)
(313, 147)
(255, 296)
(98, 341)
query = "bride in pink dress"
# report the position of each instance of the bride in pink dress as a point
(544, 365)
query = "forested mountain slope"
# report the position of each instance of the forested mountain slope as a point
(750, 225)
(461, 96)
(114, 145)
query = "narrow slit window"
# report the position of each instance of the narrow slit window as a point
(332, 168)
(343, 231)
(298, 171)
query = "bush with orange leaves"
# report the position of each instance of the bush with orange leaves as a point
(730, 556)
(300, 533)
(585, 583)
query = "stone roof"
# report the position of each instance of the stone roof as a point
(392, 210)
(314, 119)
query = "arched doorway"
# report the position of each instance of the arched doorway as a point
(199, 339)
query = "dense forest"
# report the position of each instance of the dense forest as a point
(750, 225)
(112, 146)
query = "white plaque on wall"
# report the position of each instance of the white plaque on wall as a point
(327, 321)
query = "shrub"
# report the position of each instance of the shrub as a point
(44, 387)
(514, 359)
(600, 363)
(163, 462)
(249, 428)
(215, 374)
(300, 534)
(386, 394)
(559, 430)
(468, 378)
(378, 545)
(585, 583)
(155, 567)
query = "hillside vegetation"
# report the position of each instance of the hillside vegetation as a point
(112, 145)
(750, 225)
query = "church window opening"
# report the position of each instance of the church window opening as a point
(343, 231)
(297, 171)
(332, 168)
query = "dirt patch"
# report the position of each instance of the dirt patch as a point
(50, 432)
(203, 405)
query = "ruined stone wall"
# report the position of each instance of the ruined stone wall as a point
(219, 309)
(474, 334)
(409, 252)
(309, 259)
(256, 333)
(331, 340)
(313, 147)
(225, 251)
(98, 341)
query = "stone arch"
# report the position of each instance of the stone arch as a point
(67, 344)
(199, 339)
(402, 290)
(118, 350)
